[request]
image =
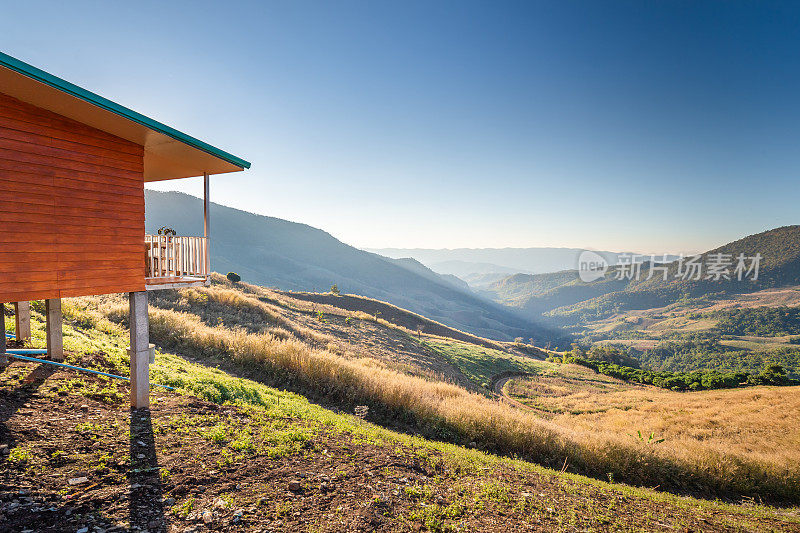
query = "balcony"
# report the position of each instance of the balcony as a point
(173, 261)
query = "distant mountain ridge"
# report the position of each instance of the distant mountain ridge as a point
(463, 262)
(565, 297)
(288, 255)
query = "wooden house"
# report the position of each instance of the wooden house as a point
(73, 166)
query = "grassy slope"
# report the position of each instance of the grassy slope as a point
(460, 488)
(241, 329)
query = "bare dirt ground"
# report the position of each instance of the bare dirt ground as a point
(69, 462)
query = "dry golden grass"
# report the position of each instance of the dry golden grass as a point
(757, 423)
(456, 414)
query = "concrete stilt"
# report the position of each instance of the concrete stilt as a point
(22, 317)
(55, 341)
(140, 350)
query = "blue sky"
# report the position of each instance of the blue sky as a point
(642, 126)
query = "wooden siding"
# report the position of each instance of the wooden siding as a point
(71, 207)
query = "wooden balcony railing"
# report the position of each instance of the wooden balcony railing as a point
(170, 256)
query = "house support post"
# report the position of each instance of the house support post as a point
(207, 222)
(22, 318)
(55, 341)
(3, 356)
(140, 350)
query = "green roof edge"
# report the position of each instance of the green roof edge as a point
(104, 103)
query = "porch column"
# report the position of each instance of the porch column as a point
(22, 318)
(207, 221)
(3, 356)
(140, 350)
(55, 341)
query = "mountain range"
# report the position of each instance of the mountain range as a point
(568, 300)
(291, 256)
(484, 263)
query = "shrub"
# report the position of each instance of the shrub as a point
(335, 289)
(233, 277)
(681, 381)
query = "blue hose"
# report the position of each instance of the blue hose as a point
(25, 351)
(16, 354)
(10, 335)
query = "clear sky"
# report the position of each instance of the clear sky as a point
(643, 126)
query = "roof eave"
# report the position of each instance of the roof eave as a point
(95, 99)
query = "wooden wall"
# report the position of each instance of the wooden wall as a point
(71, 207)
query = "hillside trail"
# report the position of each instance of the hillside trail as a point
(499, 381)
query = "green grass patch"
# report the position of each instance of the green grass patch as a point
(479, 364)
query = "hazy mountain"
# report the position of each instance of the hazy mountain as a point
(570, 300)
(478, 281)
(278, 253)
(463, 262)
(463, 269)
(415, 266)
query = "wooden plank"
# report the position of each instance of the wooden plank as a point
(28, 277)
(51, 257)
(27, 295)
(69, 168)
(109, 273)
(98, 256)
(38, 229)
(45, 139)
(104, 240)
(33, 194)
(16, 120)
(8, 256)
(16, 181)
(64, 159)
(31, 266)
(36, 285)
(89, 283)
(100, 204)
(68, 266)
(11, 237)
(26, 142)
(66, 231)
(96, 264)
(100, 281)
(10, 196)
(87, 222)
(122, 185)
(80, 247)
(34, 210)
(41, 116)
(104, 289)
(36, 185)
(91, 222)
(109, 210)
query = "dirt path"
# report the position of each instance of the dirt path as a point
(499, 381)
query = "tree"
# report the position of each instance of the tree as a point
(233, 277)
(335, 289)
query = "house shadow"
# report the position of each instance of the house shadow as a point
(12, 400)
(146, 502)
